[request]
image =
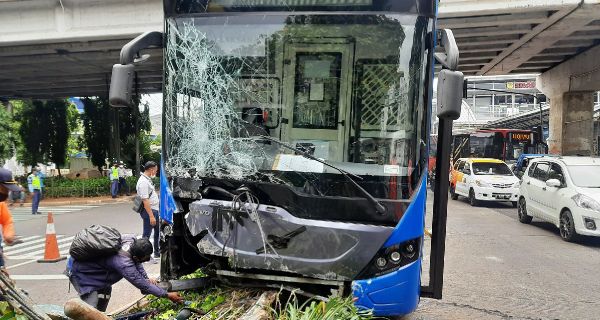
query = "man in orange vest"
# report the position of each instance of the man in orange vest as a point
(8, 230)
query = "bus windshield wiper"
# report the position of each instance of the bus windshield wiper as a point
(376, 204)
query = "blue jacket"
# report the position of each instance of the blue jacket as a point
(90, 276)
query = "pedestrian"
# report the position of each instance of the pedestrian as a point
(113, 175)
(93, 280)
(42, 177)
(123, 179)
(146, 191)
(7, 184)
(17, 195)
(35, 188)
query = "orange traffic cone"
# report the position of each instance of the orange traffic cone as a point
(51, 253)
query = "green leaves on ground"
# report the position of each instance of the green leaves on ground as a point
(335, 308)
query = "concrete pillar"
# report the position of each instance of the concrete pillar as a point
(570, 87)
(571, 123)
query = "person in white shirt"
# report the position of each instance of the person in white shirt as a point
(147, 192)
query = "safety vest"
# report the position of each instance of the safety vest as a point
(36, 183)
(114, 174)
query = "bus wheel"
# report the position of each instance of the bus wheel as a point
(472, 199)
(453, 194)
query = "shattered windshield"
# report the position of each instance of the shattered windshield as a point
(346, 89)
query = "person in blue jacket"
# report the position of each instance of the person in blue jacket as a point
(93, 280)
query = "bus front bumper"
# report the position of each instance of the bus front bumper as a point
(392, 294)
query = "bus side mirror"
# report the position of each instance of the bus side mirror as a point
(449, 94)
(121, 81)
(121, 85)
(448, 58)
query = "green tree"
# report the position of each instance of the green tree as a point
(34, 132)
(7, 138)
(96, 129)
(44, 129)
(62, 119)
(127, 130)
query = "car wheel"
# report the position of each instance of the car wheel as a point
(567, 227)
(515, 204)
(522, 209)
(472, 199)
(453, 194)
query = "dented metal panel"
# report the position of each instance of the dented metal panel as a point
(324, 250)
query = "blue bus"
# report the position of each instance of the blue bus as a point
(295, 143)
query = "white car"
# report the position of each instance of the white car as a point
(482, 179)
(564, 191)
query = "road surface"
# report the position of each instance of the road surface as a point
(496, 267)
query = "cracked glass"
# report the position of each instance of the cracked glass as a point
(345, 88)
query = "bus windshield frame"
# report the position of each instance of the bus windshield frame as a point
(216, 139)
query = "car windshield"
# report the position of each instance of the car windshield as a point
(347, 89)
(585, 176)
(491, 168)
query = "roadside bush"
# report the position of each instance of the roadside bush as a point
(55, 187)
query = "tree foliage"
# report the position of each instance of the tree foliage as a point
(44, 130)
(34, 132)
(97, 129)
(127, 128)
(7, 138)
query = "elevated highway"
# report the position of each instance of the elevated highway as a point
(52, 48)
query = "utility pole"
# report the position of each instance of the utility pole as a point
(137, 126)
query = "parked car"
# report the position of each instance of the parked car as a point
(564, 191)
(482, 179)
(523, 161)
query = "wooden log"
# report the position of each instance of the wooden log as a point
(76, 309)
(260, 310)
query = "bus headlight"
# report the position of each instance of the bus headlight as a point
(392, 258)
(395, 257)
(381, 262)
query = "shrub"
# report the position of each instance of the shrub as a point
(55, 187)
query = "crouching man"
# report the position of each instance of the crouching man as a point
(93, 280)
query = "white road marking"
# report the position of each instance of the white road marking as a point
(63, 248)
(39, 277)
(25, 249)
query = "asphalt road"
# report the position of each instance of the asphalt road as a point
(496, 267)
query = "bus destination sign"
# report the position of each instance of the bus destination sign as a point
(521, 136)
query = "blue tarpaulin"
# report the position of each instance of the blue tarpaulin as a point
(167, 202)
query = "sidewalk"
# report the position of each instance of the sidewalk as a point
(49, 202)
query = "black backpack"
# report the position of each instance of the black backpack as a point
(95, 242)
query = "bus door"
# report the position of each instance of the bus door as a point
(317, 95)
